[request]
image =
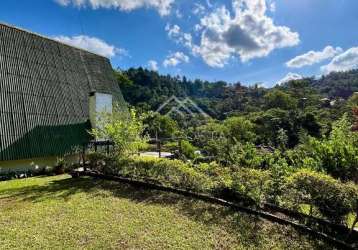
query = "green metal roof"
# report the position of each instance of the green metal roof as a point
(44, 94)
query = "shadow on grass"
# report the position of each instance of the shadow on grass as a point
(254, 232)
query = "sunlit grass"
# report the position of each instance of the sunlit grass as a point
(63, 213)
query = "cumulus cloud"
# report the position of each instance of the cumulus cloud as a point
(175, 33)
(92, 44)
(348, 60)
(162, 6)
(174, 59)
(289, 77)
(247, 33)
(199, 9)
(153, 65)
(313, 57)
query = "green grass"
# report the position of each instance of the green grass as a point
(63, 213)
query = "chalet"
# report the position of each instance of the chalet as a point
(46, 88)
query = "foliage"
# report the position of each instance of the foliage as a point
(171, 172)
(355, 117)
(332, 198)
(187, 149)
(125, 129)
(239, 129)
(102, 163)
(279, 99)
(60, 166)
(337, 154)
(259, 138)
(161, 126)
(244, 155)
(251, 185)
(338, 84)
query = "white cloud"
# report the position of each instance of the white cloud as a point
(199, 9)
(313, 57)
(178, 14)
(209, 4)
(289, 77)
(153, 65)
(175, 33)
(348, 60)
(162, 6)
(272, 5)
(92, 44)
(174, 59)
(248, 33)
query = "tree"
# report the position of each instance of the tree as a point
(239, 129)
(336, 154)
(161, 126)
(125, 129)
(279, 99)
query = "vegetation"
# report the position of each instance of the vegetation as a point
(125, 129)
(292, 145)
(89, 214)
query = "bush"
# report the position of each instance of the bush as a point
(332, 198)
(171, 172)
(102, 163)
(125, 129)
(187, 149)
(252, 185)
(336, 154)
(352, 190)
(60, 166)
(245, 155)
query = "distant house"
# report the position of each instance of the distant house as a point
(45, 89)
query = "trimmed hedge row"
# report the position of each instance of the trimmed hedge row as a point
(328, 197)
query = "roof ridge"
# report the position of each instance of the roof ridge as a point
(48, 38)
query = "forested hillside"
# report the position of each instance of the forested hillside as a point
(338, 84)
(147, 90)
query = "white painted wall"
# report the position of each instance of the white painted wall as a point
(99, 103)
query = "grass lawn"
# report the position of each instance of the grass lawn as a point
(63, 213)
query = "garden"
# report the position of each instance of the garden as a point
(314, 181)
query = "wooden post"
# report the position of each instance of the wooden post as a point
(84, 157)
(160, 148)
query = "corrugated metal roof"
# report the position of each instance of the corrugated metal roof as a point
(44, 94)
(47, 38)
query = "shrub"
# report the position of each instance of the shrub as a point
(187, 149)
(102, 163)
(331, 197)
(171, 172)
(245, 155)
(336, 154)
(221, 178)
(251, 185)
(60, 166)
(125, 129)
(352, 190)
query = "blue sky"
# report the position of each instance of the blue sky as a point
(233, 40)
